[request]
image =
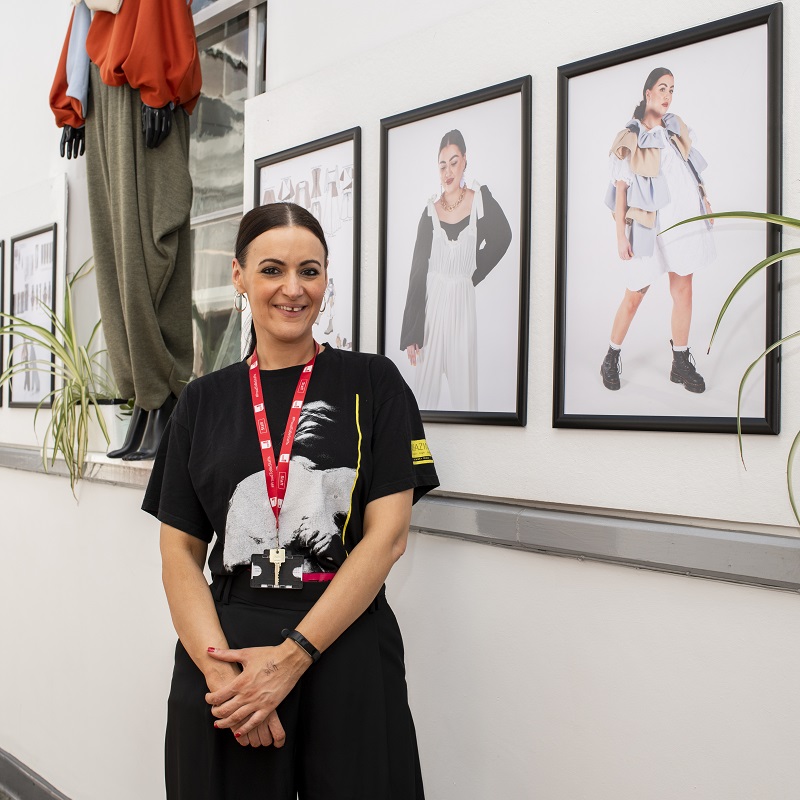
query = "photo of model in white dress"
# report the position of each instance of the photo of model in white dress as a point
(461, 237)
(454, 253)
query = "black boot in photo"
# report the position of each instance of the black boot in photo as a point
(683, 371)
(611, 369)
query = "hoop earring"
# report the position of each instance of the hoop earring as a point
(324, 304)
(239, 302)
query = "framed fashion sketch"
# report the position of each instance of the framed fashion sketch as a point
(33, 284)
(648, 136)
(455, 253)
(324, 176)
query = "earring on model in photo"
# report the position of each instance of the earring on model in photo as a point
(239, 301)
(324, 304)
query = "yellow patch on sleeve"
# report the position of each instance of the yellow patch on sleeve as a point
(420, 453)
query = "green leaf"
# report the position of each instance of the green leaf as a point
(762, 216)
(77, 368)
(746, 375)
(789, 473)
(749, 274)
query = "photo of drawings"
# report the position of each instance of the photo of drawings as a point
(644, 143)
(2, 309)
(323, 177)
(455, 187)
(33, 277)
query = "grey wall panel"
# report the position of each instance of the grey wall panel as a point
(740, 556)
(19, 782)
(752, 558)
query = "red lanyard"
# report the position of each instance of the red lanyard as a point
(277, 475)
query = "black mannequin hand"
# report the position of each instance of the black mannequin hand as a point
(73, 141)
(156, 124)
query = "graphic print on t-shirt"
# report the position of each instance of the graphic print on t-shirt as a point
(314, 509)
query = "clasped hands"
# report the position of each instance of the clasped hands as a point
(247, 703)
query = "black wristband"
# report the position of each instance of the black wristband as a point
(303, 642)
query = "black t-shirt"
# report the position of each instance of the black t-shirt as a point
(360, 437)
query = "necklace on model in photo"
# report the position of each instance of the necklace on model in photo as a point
(457, 202)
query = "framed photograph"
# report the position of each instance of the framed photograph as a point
(33, 284)
(324, 177)
(455, 253)
(2, 309)
(646, 138)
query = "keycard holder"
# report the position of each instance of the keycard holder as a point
(263, 573)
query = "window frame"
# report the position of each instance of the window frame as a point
(207, 20)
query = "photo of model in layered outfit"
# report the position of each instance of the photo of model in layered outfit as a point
(655, 182)
(645, 142)
(322, 176)
(453, 244)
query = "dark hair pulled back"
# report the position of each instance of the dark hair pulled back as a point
(652, 80)
(265, 218)
(454, 137)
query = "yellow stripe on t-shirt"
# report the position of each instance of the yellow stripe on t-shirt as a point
(358, 470)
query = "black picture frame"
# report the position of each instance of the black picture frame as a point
(34, 256)
(716, 43)
(2, 311)
(337, 201)
(496, 126)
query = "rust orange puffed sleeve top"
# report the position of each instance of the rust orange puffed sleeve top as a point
(150, 45)
(68, 110)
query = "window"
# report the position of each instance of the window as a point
(199, 5)
(217, 170)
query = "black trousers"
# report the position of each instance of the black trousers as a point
(349, 731)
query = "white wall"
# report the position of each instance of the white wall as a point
(576, 680)
(684, 475)
(586, 681)
(86, 637)
(30, 159)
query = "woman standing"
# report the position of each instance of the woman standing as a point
(461, 238)
(305, 539)
(655, 182)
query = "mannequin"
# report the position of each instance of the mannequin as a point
(124, 88)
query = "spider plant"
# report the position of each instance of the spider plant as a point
(82, 380)
(787, 222)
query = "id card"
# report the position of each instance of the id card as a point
(269, 573)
